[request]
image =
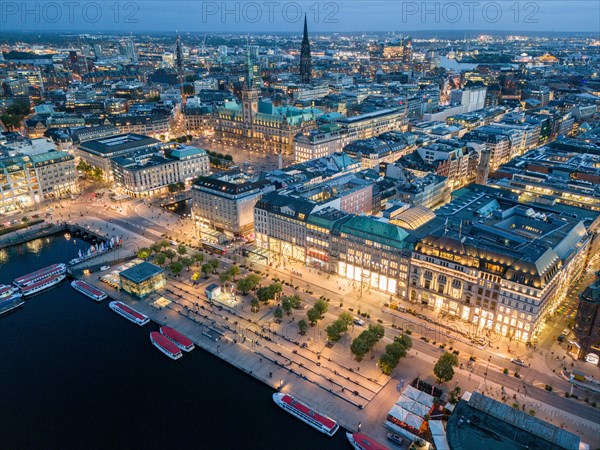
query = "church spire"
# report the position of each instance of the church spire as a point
(305, 59)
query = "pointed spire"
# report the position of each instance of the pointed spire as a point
(248, 64)
(305, 28)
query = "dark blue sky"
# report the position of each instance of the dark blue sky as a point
(273, 15)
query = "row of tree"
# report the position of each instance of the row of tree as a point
(365, 341)
(339, 327)
(394, 352)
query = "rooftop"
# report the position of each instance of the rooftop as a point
(482, 422)
(141, 272)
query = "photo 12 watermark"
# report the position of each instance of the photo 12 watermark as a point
(68, 12)
(269, 12)
(469, 12)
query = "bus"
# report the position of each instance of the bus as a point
(213, 248)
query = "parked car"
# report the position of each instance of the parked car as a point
(104, 268)
(395, 438)
(358, 321)
(518, 362)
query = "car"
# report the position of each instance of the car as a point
(395, 438)
(358, 321)
(518, 362)
(103, 268)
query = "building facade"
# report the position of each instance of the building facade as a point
(26, 180)
(152, 171)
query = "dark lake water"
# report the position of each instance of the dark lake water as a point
(74, 375)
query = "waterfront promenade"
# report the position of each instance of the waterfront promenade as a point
(264, 349)
(268, 355)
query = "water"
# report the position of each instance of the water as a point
(182, 208)
(75, 375)
(452, 64)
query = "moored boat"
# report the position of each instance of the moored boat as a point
(42, 285)
(361, 441)
(7, 290)
(181, 341)
(324, 424)
(88, 290)
(165, 345)
(9, 303)
(38, 275)
(129, 313)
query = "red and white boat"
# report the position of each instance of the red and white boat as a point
(165, 345)
(38, 275)
(129, 313)
(42, 285)
(181, 341)
(88, 290)
(7, 290)
(360, 441)
(324, 424)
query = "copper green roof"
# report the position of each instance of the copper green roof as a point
(374, 230)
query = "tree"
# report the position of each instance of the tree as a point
(143, 253)
(254, 305)
(321, 306)
(206, 269)
(313, 315)
(169, 253)
(182, 250)
(290, 302)
(264, 294)
(244, 285)
(360, 347)
(234, 271)
(176, 267)
(347, 318)
(160, 258)
(444, 367)
(394, 352)
(196, 276)
(365, 341)
(224, 277)
(214, 263)
(454, 395)
(278, 313)
(198, 258)
(276, 289)
(375, 333)
(155, 248)
(187, 262)
(254, 279)
(302, 326)
(336, 329)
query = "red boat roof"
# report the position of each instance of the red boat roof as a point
(37, 273)
(131, 311)
(176, 336)
(165, 343)
(4, 289)
(89, 287)
(39, 283)
(367, 443)
(325, 421)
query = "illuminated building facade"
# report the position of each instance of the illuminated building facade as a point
(498, 265)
